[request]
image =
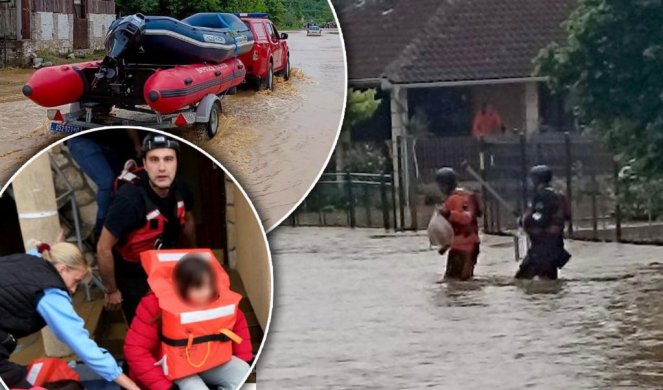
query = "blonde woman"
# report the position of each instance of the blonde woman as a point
(35, 291)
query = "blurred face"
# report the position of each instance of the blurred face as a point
(72, 276)
(161, 167)
(201, 295)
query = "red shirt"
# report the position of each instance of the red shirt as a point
(486, 123)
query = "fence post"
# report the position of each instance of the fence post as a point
(393, 201)
(523, 171)
(412, 182)
(569, 179)
(595, 222)
(351, 199)
(482, 171)
(618, 208)
(367, 199)
(401, 194)
(383, 201)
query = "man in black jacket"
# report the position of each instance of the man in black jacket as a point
(544, 223)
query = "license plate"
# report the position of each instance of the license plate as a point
(65, 128)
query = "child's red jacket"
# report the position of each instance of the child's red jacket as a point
(142, 345)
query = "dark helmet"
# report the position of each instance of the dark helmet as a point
(158, 141)
(541, 174)
(446, 176)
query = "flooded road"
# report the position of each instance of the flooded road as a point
(274, 143)
(356, 309)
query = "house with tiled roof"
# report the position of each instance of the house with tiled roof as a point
(435, 63)
(444, 58)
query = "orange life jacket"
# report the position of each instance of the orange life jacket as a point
(147, 236)
(193, 340)
(464, 208)
(46, 370)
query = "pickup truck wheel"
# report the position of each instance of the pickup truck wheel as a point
(212, 126)
(268, 81)
(286, 73)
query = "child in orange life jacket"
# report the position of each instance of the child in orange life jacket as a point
(195, 281)
(461, 208)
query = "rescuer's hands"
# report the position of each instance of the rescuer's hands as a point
(113, 301)
(444, 212)
(126, 383)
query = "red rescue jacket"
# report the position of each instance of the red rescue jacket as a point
(142, 345)
(145, 238)
(462, 210)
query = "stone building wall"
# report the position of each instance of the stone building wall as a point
(98, 26)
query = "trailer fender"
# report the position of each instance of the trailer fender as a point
(204, 108)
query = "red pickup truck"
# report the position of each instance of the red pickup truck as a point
(270, 55)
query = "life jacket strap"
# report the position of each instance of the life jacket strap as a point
(224, 335)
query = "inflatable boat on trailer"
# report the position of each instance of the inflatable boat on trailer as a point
(169, 65)
(200, 38)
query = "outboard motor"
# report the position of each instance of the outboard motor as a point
(123, 35)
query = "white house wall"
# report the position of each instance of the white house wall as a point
(51, 31)
(98, 26)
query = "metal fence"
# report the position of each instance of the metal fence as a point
(349, 199)
(606, 205)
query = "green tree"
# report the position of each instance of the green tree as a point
(126, 7)
(611, 66)
(284, 13)
(360, 106)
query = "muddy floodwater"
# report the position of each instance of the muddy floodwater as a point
(274, 142)
(361, 309)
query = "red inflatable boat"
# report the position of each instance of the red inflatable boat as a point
(164, 90)
(58, 85)
(169, 90)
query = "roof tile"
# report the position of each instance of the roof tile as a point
(422, 41)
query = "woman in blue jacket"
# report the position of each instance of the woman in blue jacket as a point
(35, 291)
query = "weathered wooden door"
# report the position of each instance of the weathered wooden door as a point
(81, 40)
(25, 18)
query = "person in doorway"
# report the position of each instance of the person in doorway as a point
(544, 223)
(35, 291)
(151, 212)
(100, 155)
(487, 122)
(462, 209)
(196, 283)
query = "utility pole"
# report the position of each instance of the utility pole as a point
(39, 219)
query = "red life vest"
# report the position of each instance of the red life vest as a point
(46, 370)
(193, 340)
(147, 236)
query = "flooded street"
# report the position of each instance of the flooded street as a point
(361, 309)
(274, 143)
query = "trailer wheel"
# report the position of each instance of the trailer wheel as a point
(211, 127)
